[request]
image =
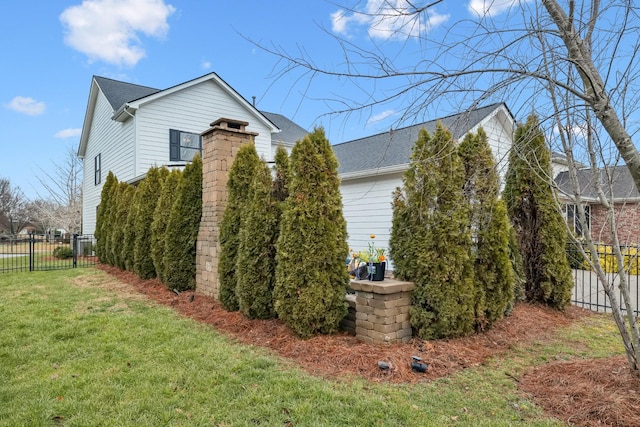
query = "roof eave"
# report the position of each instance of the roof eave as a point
(366, 173)
(88, 118)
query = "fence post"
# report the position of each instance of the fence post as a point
(32, 251)
(75, 251)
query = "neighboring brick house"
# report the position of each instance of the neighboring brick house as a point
(619, 188)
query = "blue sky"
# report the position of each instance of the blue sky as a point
(51, 49)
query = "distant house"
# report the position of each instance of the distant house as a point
(618, 187)
(129, 128)
(372, 167)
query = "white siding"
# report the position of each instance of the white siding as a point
(499, 129)
(189, 110)
(367, 209)
(367, 201)
(114, 142)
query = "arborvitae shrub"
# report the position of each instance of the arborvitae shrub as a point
(256, 263)
(125, 194)
(400, 247)
(240, 175)
(101, 218)
(311, 278)
(493, 272)
(281, 180)
(542, 234)
(128, 244)
(182, 229)
(149, 192)
(112, 224)
(161, 218)
(432, 238)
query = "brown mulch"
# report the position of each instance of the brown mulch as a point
(582, 392)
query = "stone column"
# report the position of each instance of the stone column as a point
(220, 143)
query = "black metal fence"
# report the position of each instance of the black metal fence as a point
(35, 252)
(588, 291)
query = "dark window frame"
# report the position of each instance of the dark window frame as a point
(176, 148)
(97, 167)
(571, 216)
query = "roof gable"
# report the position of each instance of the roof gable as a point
(125, 98)
(393, 149)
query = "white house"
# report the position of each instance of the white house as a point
(129, 128)
(372, 167)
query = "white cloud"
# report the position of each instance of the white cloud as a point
(380, 116)
(68, 133)
(26, 105)
(206, 65)
(489, 7)
(108, 30)
(387, 19)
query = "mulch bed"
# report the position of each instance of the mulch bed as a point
(582, 392)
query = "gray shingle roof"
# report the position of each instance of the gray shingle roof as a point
(118, 93)
(290, 132)
(622, 185)
(393, 148)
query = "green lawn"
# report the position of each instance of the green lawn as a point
(77, 350)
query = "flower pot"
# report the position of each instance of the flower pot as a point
(376, 271)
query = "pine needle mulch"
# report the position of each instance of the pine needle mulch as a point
(592, 392)
(583, 392)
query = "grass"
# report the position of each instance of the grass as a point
(78, 349)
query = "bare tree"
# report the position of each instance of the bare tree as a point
(574, 63)
(13, 207)
(61, 205)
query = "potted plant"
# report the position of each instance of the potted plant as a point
(376, 261)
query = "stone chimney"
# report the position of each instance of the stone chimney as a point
(220, 143)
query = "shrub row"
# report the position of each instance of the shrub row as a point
(151, 229)
(283, 240)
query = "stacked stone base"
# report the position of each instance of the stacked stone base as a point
(382, 311)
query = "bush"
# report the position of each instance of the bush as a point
(148, 194)
(182, 229)
(256, 261)
(541, 230)
(240, 176)
(161, 218)
(311, 278)
(63, 252)
(431, 239)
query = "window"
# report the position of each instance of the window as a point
(183, 145)
(97, 167)
(573, 219)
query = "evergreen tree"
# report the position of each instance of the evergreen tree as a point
(129, 241)
(240, 176)
(161, 218)
(541, 232)
(311, 278)
(256, 263)
(125, 194)
(432, 240)
(112, 245)
(490, 230)
(182, 229)
(281, 181)
(149, 192)
(102, 224)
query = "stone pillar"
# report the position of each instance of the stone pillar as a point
(382, 311)
(220, 143)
